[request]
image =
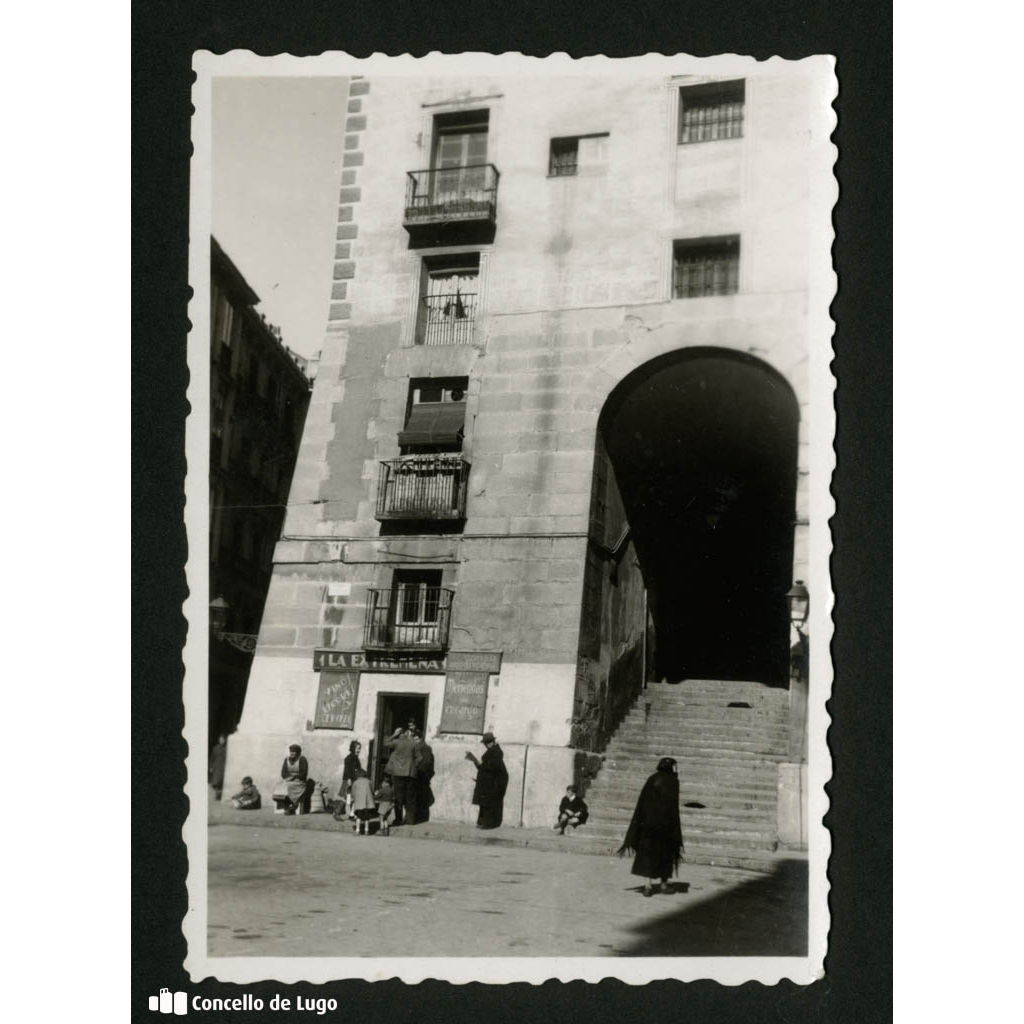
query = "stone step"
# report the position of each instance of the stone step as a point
(734, 748)
(695, 823)
(741, 727)
(764, 801)
(703, 843)
(674, 690)
(691, 723)
(616, 809)
(714, 720)
(628, 777)
(691, 755)
(707, 711)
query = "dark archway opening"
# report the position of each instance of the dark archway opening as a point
(703, 444)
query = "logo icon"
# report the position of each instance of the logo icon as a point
(168, 1003)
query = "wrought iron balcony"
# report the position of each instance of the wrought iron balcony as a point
(446, 319)
(411, 617)
(423, 487)
(446, 194)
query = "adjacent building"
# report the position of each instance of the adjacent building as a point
(259, 394)
(557, 446)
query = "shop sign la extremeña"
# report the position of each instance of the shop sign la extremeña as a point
(360, 661)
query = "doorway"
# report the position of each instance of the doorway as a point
(394, 710)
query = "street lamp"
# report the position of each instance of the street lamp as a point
(219, 609)
(799, 603)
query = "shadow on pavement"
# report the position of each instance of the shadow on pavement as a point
(765, 916)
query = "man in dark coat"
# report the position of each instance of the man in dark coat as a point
(655, 834)
(401, 767)
(424, 773)
(218, 759)
(491, 782)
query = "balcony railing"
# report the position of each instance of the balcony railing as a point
(468, 193)
(446, 319)
(411, 617)
(423, 487)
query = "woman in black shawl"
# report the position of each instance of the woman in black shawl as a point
(491, 782)
(655, 835)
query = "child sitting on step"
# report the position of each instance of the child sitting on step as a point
(248, 797)
(572, 811)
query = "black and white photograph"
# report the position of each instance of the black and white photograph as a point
(508, 500)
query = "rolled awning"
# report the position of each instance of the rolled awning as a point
(434, 423)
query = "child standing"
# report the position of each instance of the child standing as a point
(572, 811)
(248, 797)
(385, 805)
(363, 806)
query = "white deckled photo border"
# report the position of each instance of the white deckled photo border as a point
(820, 433)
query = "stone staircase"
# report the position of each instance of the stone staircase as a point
(728, 738)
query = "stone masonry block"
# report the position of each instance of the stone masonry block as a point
(289, 551)
(344, 269)
(352, 160)
(277, 636)
(340, 311)
(355, 124)
(307, 636)
(347, 231)
(354, 106)
(339, 290)
(351, 142)
(348, 177)
(349, 195)
(345, 214)
(359, 88)
(342, 250)
(501, 403)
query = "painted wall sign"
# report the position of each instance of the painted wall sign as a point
(360, 661)
(475, 661)
(336, 701)
(465, 702)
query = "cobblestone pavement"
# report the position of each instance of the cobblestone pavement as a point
(295, 892)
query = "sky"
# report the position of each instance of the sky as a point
(277, 150)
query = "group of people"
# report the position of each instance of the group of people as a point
(654, 836)
(404, 796)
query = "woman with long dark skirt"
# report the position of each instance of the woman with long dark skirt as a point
(349, 773)
(491, 782)
(655, 835)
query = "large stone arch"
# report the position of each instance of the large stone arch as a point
(701, 445)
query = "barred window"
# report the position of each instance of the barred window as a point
(706, 266)
(711, 112)
(564, 156)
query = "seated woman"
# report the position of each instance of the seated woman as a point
(295, 772)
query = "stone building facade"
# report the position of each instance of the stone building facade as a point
(558, 441)
(259, 394)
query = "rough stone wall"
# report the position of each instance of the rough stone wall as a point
(610, 667)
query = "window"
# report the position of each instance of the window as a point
(706, 266)
(416, 593)
(460, 152)
(711, 112)
(448, 299)
(436, 415)
(564, 156)
(572, 154)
